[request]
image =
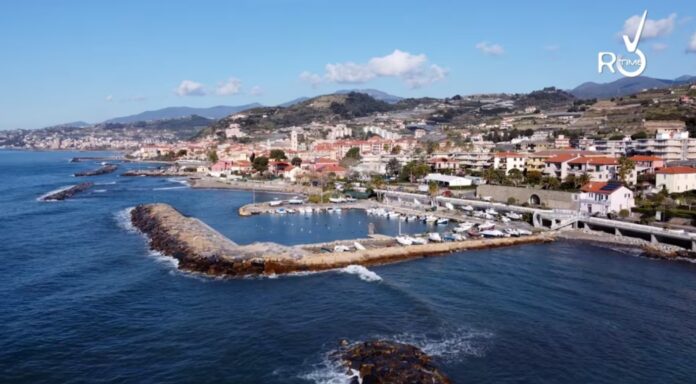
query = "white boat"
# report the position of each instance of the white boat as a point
(458, 237)
(412, 218)
(467, 208)
(486, 226)
(524, 232)
(418, 240)
(403, 217)
(341, 248)
(488, 216)
(351, 199)
(404, 240)
(492, 233)
(491, 211)
(505, 219)
(430, 219)
(336, 210)
(478, 214)
(393, 215)
(295, 200)
(275, 203)
(434, 236)
(511, 232)
(308, 210)
(290, 210)
(359, 246)
(280, 211)
(449, 206)
(514, 216)
(463, 227)
(337, 200)
(416, 202)
(443, 221)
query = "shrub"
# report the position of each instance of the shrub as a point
(624, 213)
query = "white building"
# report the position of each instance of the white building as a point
(676, 179)
(603, 198)
(449, 181)
(508, 161)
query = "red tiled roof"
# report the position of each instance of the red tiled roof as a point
(601, 187)
(332, 168)
(676, 170)
(645, 158)
(324, 160)
(510, 154)
(595, 161)
(561, 158)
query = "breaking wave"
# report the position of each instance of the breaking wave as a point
(123, 219)
(167, 188)
(362, 272)
(45, 195)
(448, 344)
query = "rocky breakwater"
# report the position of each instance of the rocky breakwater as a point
(200, 248)
(66, 193)
(381, 361)
(108, 168)
(158, 172)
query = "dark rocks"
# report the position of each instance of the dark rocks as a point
(381, 361)
(100, 171)
(68, 192)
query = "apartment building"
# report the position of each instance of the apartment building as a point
(676, 179)
(508, 161)
(598, 168)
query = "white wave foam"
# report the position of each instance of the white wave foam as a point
(449, 345)
(99, 190)
(166, 188)
(164, 259)
(45, 195)
(362, 272)
(329, 371)
(106, 183)
(123, 218)
(178, 181)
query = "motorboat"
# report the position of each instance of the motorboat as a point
(478, 214)
(350, 199)
(467, 208)
(275, 203)
(488, 216)
(514, 216)
(449, 206)
(393, 215)
(341, 248)
(492, 233)
(418, 240)
(458, 237)
(290, 210)
(335, 210)
(486, 226)
(473, 233)
(281, 211)
(491, 211)
(404, 240)
(512, 232)
(524, 232)
(412, 218)
(308, 210)
(337, 200)
(463, 227)
(430, 219)
(505, 219)
(443, 221)
(295, 200)
(359, 246)
(434, 236)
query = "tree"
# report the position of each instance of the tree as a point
(515, 176)
(431, 146)
(414, 170)
(377, 181)
(181, 153)
(260, 164)
(552, 183)
(353, 153)
(639, 135)
(393, 167)
(433, 188)
(534, 177)
(296, 161)
(626, 166)
(212, 156)
(583, 179)
(570, 180)
(396, 150)
(277, 154)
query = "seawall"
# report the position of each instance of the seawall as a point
(200, 248)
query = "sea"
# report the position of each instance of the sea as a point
(84, 300)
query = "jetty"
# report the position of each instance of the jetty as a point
(200, 248)
(67, 193)
(108, 168)
(156, 173)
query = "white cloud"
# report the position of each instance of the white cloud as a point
(691, 48)
(411, 69)
(490, 49)
(658, 47)
(652, 27)
(256, 91)
(190, 88)
(109, 98)
(230, 87)
(310, 78)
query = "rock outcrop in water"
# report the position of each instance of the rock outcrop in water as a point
(100, 171)
(67, 192)
(381, 361)
(200, 248)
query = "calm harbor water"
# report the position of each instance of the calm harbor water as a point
(82, 299)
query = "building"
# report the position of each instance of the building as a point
(561, 142)
(475, 160)
(598, 168)
(647, 164)
(676, 179)
(448, 181)
(508, 161)
(669, 144)
(603, 198)
(442, 163)
(614, 148)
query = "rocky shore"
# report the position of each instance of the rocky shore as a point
(200, 248)
(381, 361)
(213, 183)
(108, 168)
(156, 173)
(67, 192)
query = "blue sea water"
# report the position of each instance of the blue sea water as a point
(82, 299)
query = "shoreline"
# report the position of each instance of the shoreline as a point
(288, 189)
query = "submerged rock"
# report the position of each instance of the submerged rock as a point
(382, 361)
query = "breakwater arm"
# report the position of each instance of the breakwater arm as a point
(200, 248)
(99, 171)
(67, 193)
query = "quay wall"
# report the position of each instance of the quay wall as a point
(532, 196)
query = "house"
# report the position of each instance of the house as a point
(448, 181)
(241, 166)
(293, 173)
(598, 168)
(323, 161)
(508, 161)
(676, 179)
(220, 168)
(336, 169)
(557, 165)
(647, 164)
(603, 198)
(441, 163)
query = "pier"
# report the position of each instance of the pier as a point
(199, 248)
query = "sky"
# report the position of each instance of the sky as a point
(66, 61)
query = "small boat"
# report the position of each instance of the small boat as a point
(467, 208)
(412, 218)
(478, 214)
(473, 233)
(359, 246)
(404, 240)
(491, 211)
(486, 226)
(403, 217)
(463, 227)
(434, 236)
(308, 210)
(458, 237)
(350, 199)
(443, 221)
(290, 210)
(505, 219)
(492, 233)
(341, 248)
(337, 200)
(281, 211)
(524, 232)
(430, 219)
(513, 216)
(488, 216)
(336, 210)
(275, 203)
(393, 215)
(295, 200)
(512, 232)
(449, 206)
(418, 240)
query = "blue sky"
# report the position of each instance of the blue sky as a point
(92, 60)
